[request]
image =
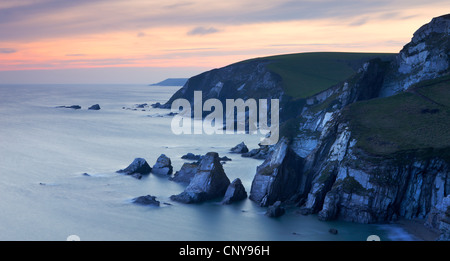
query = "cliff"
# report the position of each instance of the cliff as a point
(363, 158)
(367, 144)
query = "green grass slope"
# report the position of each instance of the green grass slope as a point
(306, 74)
(418, 119)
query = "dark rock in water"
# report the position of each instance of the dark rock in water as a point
(75, 107)
(146, 200)
(240, 148)
(191, 156)
(333, 231)
(163, 166)
(156, 105)
(86, 174)
(94, 107)
(140, 106)
(275, 210)
(225, 158)
(251, 153)
(138, 167)
(235, 192)
(260, 153)
(189, 197)
(186, 173)
(209, 182)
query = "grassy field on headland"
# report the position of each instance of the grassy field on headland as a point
(306, 74)
(416, 119)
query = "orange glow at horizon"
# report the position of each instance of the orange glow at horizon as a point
(173, 46)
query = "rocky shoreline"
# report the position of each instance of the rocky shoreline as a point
(354, 151)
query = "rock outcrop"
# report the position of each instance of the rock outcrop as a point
(198, 157)
(94, 107)
(426, 57)
(274, 179)
(260, 153)
(240, 148)
(146, 200)
(209, 182)
(439, 219)
(192, 156)
(250, 79)
(235, 192)
(75, 107)
(275, 210)
(137, 168)
(163, 166)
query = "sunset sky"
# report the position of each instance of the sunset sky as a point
(144, 41)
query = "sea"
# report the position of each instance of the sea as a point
(45, 195)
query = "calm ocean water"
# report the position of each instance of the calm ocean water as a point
(45, 150)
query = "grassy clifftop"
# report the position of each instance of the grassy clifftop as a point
(418, 119)
(306, 74)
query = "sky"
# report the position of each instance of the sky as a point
(146, 41)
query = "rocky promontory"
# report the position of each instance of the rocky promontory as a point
(372, 146)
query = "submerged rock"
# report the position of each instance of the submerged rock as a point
(333, 231)
(156, 105)
(94, 107)
(225, 158)
(209, 181)
(146, 200)
(137, 168)
(198, 157)
(191, 156)
(163, 166)
(240, 148)
(235, 192)
(141, 106)
(75, 107)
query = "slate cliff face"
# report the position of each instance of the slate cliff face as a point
(324, 165)
(425, 57)
(241, 80)
(327, 173)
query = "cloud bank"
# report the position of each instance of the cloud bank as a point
(56, 18)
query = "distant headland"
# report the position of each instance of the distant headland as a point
(171, 82)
